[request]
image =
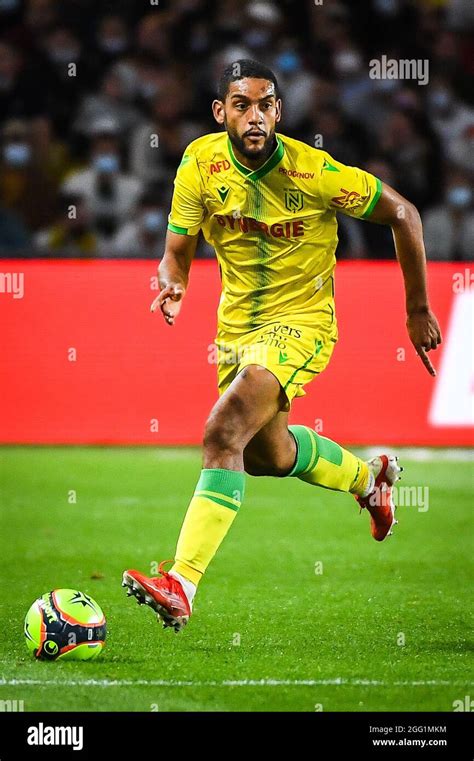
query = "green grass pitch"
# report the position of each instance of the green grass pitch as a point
(300, 610)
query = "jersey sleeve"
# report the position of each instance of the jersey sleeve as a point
(348, 188)
(187, 209)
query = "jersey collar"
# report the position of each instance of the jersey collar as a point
(270, 163)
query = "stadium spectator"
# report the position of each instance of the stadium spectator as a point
(30, 22)
(68, 74)
(449, 227)
(344, 140)
(153, 37)
(373, 106)
(21, 95)
(68, 69)
(110, 195)
(295, 83)
(144, 236)
(53, 155)
(351, 74)
(461, 149)
(460, 15)
(449, 116)
(260, 27)
(112, 102)
(25, 187)
(14, 237)
(156, 146)
(152, 80)
(72, 233)
(409, 145)
(41, 15)
(378, 239)
(351, 239)
(112, 39)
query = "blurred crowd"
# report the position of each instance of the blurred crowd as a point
(98, 100)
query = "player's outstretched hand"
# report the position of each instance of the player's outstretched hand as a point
(425, 335)
(169, 300)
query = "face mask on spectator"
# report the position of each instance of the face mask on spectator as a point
(148, 89)
(257, 38)
(288, 62)
(128, 77)
(17, 154)
(199, 41)
(347, 62)
(106, 163)
(113, 44)
(8, 5)
(385, 86)
(153, 221)
(63, 55)
(459, 196)
(389, 7)
(440, 99)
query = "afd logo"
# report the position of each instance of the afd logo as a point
(45, 735)
(219, 166)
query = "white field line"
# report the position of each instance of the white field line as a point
(339, 681)
(419, 454)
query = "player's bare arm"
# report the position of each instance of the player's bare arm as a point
(403, 217)
(173, 274)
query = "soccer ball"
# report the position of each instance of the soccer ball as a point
(65, 624)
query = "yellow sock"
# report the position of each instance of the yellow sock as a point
(212, 510)
(322, 462)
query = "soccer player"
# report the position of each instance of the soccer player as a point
(267, 203)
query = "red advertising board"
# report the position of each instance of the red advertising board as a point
(83, 360)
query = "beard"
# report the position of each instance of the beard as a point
(261, 155)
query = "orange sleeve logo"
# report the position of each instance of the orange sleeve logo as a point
(350, 199)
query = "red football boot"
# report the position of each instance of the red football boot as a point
(380, 502)
(163, 593)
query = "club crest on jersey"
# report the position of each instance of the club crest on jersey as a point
(294, 199)
(223, 193)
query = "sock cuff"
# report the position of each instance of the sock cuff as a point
(306, 449)
(230, 484)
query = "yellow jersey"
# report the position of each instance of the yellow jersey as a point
(274, 229)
